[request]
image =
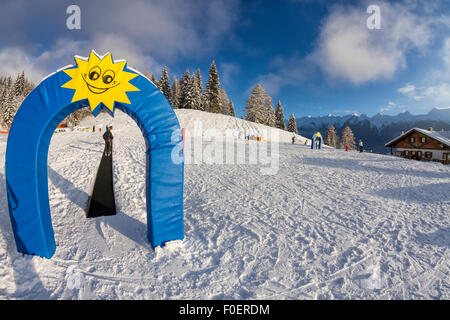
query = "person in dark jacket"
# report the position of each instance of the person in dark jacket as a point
(108, 137)
(293, 139)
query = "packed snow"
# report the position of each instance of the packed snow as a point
(328, 224)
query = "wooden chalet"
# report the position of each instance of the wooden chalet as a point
(422, 144)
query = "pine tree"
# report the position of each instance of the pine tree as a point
(147, 74)
(3, 93)
(231, 108)
(186, 101)
(292, 124)
(10, 106)
(256, 106)
(347, 139)
(164, 84)
(279, 115)
(213, 90)
(176, 94)
(331, 138)
(271, 120)
(153, 79)
(203, 98)
(19, 85)
(29, 86)
(196, 93)
(224, 102)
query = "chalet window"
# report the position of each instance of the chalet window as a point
(406, 152)
(413, 153)
(419, 153)
(424, 139)
(428, 154)
(412, 139)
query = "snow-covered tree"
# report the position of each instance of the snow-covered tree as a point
(75, 117)
(196, 92)
(12, 94)
(231, 108)
(224, 102)
(176, 94)
(279, 115)
(164, 84)
(153, 79)
(3, 97)
(10, 106)
(347, 139)
(213, 90)
(19, 85)
(184, 87)
(271, 119)
(147, 74)
(292, 124)
(256, 106)
(186, 101)
(331, 138)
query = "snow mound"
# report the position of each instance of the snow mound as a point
(188, 119)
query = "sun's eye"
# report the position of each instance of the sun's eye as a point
(95, 73)
(108, 77)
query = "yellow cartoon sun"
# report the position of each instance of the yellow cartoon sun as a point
(100, 81)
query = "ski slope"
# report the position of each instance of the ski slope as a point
(329, 224)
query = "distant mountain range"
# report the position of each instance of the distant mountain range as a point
(377, 130)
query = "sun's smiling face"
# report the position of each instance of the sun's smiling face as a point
(100, 81)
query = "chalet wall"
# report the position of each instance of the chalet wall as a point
(436, 154)
(429, 143)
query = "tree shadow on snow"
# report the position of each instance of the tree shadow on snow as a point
(439, 238)
(126, 225)
(27, 280)
(358, 165)
(426, 193)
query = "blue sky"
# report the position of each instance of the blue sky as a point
(317, 57)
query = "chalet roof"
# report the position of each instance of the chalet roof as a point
(441, 136)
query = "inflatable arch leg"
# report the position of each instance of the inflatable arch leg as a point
(26, 161)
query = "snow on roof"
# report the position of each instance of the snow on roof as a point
(441, 136)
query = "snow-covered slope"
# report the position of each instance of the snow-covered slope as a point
(221, 122)
(328, 224)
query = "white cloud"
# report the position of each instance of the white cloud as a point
(409, 88)
(17, 59)
(166, 30)
(349, 50)
(141, 32)
(436, 94)
(439, 93)
(410, 91)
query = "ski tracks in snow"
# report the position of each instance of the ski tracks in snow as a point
(329, 224)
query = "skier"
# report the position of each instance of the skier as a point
(346, 148)
(293, 139)
(108, 137)
(360, 145)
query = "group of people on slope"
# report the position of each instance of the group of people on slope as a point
(360, 144)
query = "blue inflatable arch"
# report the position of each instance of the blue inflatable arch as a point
(316, 137)
(26, 161)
